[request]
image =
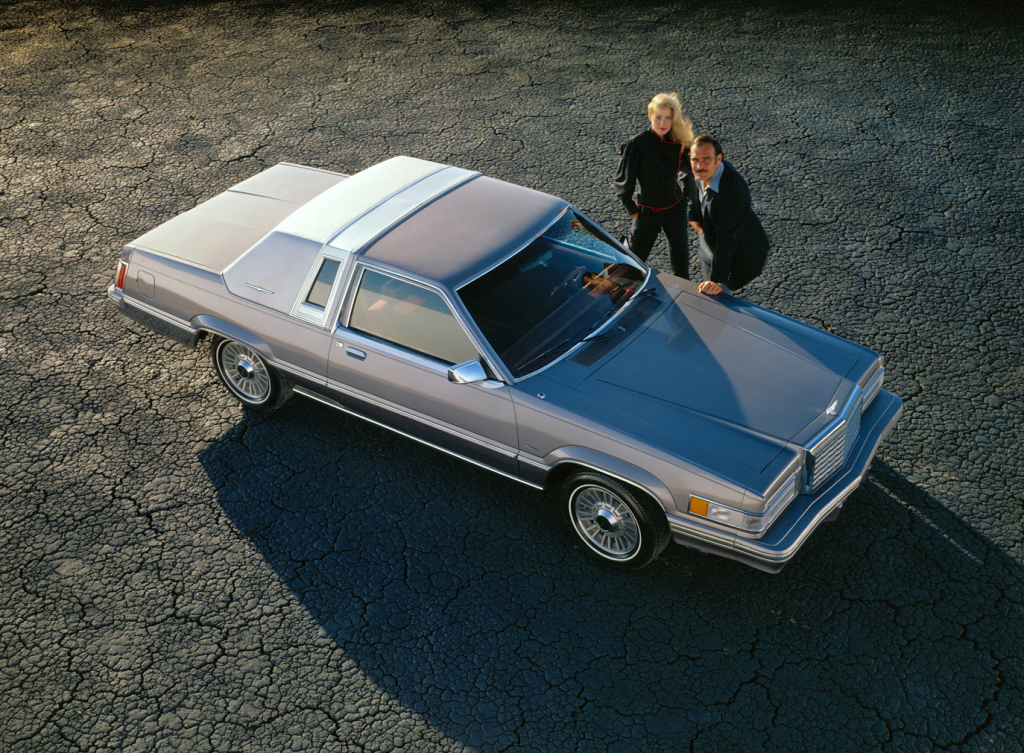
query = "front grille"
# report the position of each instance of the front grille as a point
(852, 431)
(828, 455)
(638, 313)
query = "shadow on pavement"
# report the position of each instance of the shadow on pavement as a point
(461, 598)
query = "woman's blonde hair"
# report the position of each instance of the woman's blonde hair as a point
(682, 129)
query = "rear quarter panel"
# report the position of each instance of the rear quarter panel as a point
(197, 298)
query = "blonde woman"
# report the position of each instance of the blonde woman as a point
(658, 158)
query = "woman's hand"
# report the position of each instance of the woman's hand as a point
(697, 226)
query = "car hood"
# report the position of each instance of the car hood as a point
(724, 382)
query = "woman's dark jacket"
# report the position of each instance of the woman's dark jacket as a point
(656, 164)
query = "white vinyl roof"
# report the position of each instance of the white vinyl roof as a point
(396, 208)
(350, 213)
(339, 206)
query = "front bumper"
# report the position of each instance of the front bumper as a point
(787, 534)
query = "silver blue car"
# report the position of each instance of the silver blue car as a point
(501, 325)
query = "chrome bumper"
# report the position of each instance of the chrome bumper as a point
(159, 323)
(787, 534)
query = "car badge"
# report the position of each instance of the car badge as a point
(833, 408)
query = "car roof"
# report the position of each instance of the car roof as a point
(430, 220)
(352, 202)
(465, 231)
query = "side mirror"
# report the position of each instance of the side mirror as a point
(467, 372)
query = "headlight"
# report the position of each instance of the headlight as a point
(872, 390)
(741, 519)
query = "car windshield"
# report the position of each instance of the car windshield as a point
(551, 295)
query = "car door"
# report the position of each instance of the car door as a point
(390, 362)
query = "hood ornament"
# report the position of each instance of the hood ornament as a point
(831, 410)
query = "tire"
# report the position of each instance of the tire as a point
(247, 376)
(619, 526)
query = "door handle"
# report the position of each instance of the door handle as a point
(356, 353)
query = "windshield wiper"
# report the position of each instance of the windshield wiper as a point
(619, 304)
(567, 341)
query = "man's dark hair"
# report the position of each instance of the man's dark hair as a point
(707, 138)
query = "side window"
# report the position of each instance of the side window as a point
(321, 290)
(410, 316)
(318, 295)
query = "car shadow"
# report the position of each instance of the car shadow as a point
(459, 595)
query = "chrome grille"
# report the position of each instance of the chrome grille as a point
(828, 454)
(852, 430)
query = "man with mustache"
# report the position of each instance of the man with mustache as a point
(733, 245)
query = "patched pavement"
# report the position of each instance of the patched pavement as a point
(179, 575)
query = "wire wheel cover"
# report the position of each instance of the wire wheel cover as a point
(244, 371)
(605, 522)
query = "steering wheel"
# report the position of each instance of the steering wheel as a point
(571, 280)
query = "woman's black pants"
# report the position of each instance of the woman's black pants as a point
(644, 232)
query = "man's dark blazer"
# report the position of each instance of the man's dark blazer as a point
(731, 230)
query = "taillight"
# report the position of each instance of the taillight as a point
(122, 270)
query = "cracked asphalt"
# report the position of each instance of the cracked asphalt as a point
(179, 575)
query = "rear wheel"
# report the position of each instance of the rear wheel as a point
(619, 526)
(247, 376)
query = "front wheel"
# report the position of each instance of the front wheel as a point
(247, 376)
(619, 526)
